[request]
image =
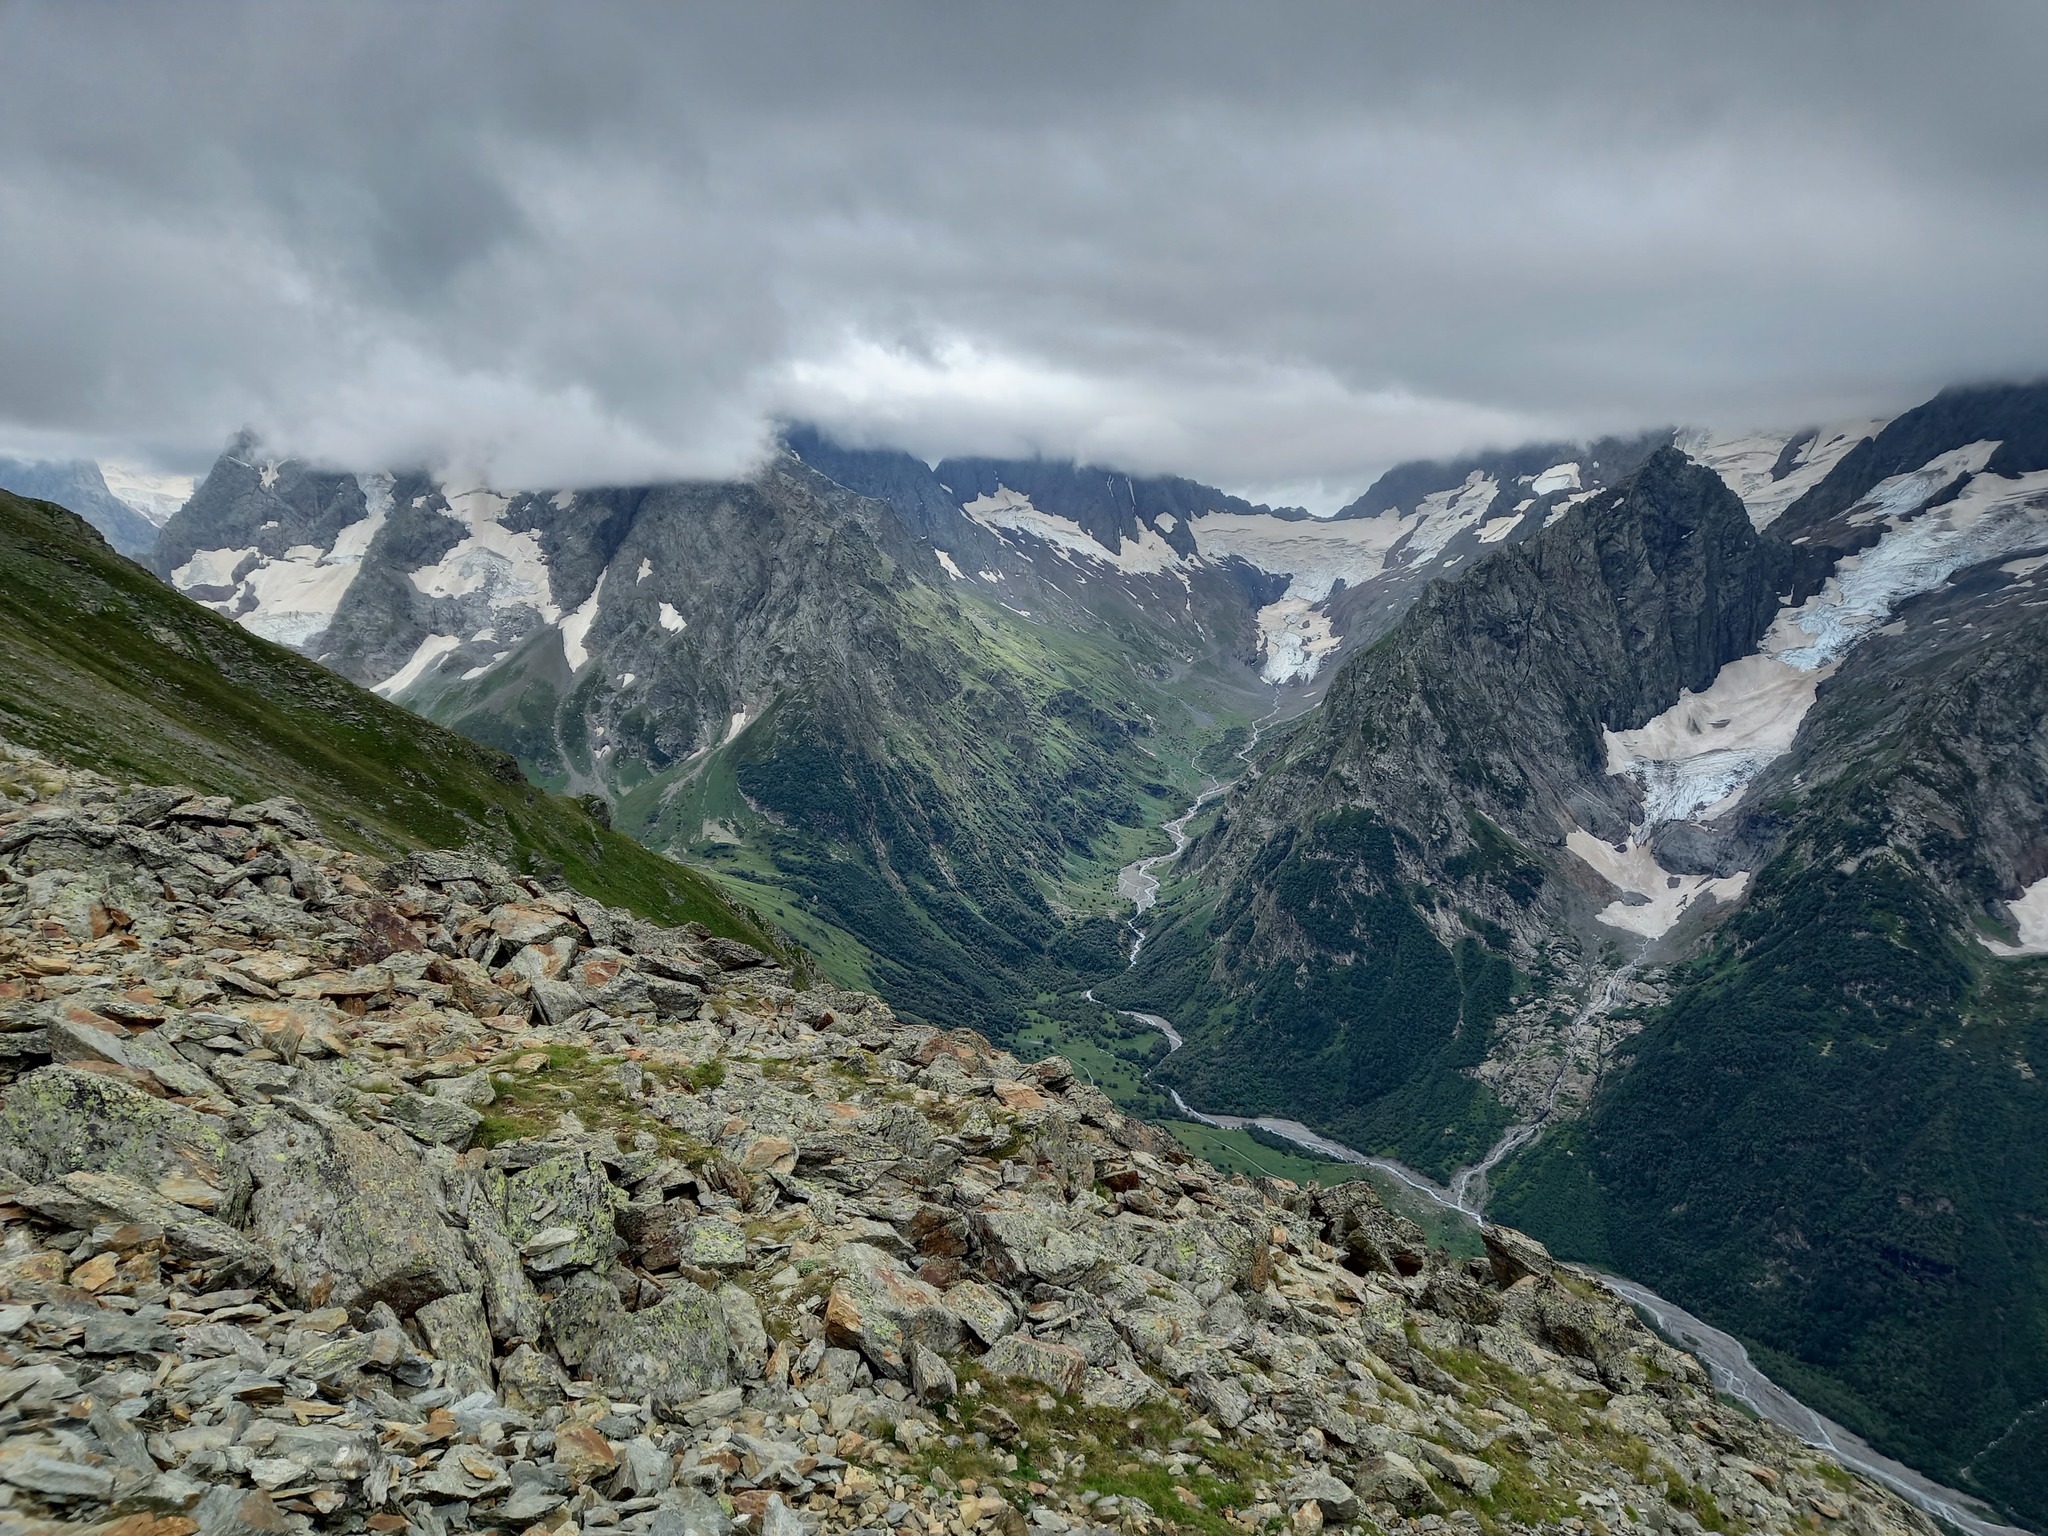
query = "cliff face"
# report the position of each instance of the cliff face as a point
(1347, 938)
(346, 1195)
(1493, 694)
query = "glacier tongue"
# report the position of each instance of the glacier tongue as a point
(1695, 760)
(1697, 757)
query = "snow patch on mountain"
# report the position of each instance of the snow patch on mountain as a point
(576, 627)
(155, 495)
(1011, 511)
(428, 652)
(1442, 515)
(946, 561)
(669, 619)
(1654, 899)
(2030, 916)
(1559, 477)
(1751, 463)
(294, 596)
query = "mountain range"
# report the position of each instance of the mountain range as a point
(1655, 821)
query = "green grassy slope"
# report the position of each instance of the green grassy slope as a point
(103, 666)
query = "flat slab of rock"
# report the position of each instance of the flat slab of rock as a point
(1058, 1366)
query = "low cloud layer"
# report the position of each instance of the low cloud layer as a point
(1273, 247)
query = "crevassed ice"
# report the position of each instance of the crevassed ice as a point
(1992, 516)
(1708, 746)
(1695, 760)
(209, 568)
(153, 493)
(1314, 555)
(1297, 638)
(506, 567)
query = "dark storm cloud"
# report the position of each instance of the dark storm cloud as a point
(1271, 246)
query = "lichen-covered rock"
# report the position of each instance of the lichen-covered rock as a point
(1313, 1485)
(530, 1381)
(678, 1233)
(350, 1220)
(1023, 1243)
(878, 1307)
(1208, 1256)
(572, 1192)
(85, 1199)
(510, 1300)
(583, 1306)
(669, 1354)
(438, 1122)
(1058, 1366)
(982, 1308)
(457, 1331)
(931, 1378)
(747, 1334)
(59, 1120)
(1391, 1478)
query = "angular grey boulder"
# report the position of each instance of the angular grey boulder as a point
(669, 1355)
(60, 1120)
(351, 1220)
(562, 1214)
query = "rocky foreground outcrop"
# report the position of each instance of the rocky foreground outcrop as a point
(420, 1197)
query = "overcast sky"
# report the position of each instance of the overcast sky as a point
(1277, 247)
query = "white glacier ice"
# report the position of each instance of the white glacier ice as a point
(1745, 461)
(1695, 759)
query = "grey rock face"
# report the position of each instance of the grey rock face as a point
(351, 1220)
(670, 1354)
(59, 1120)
